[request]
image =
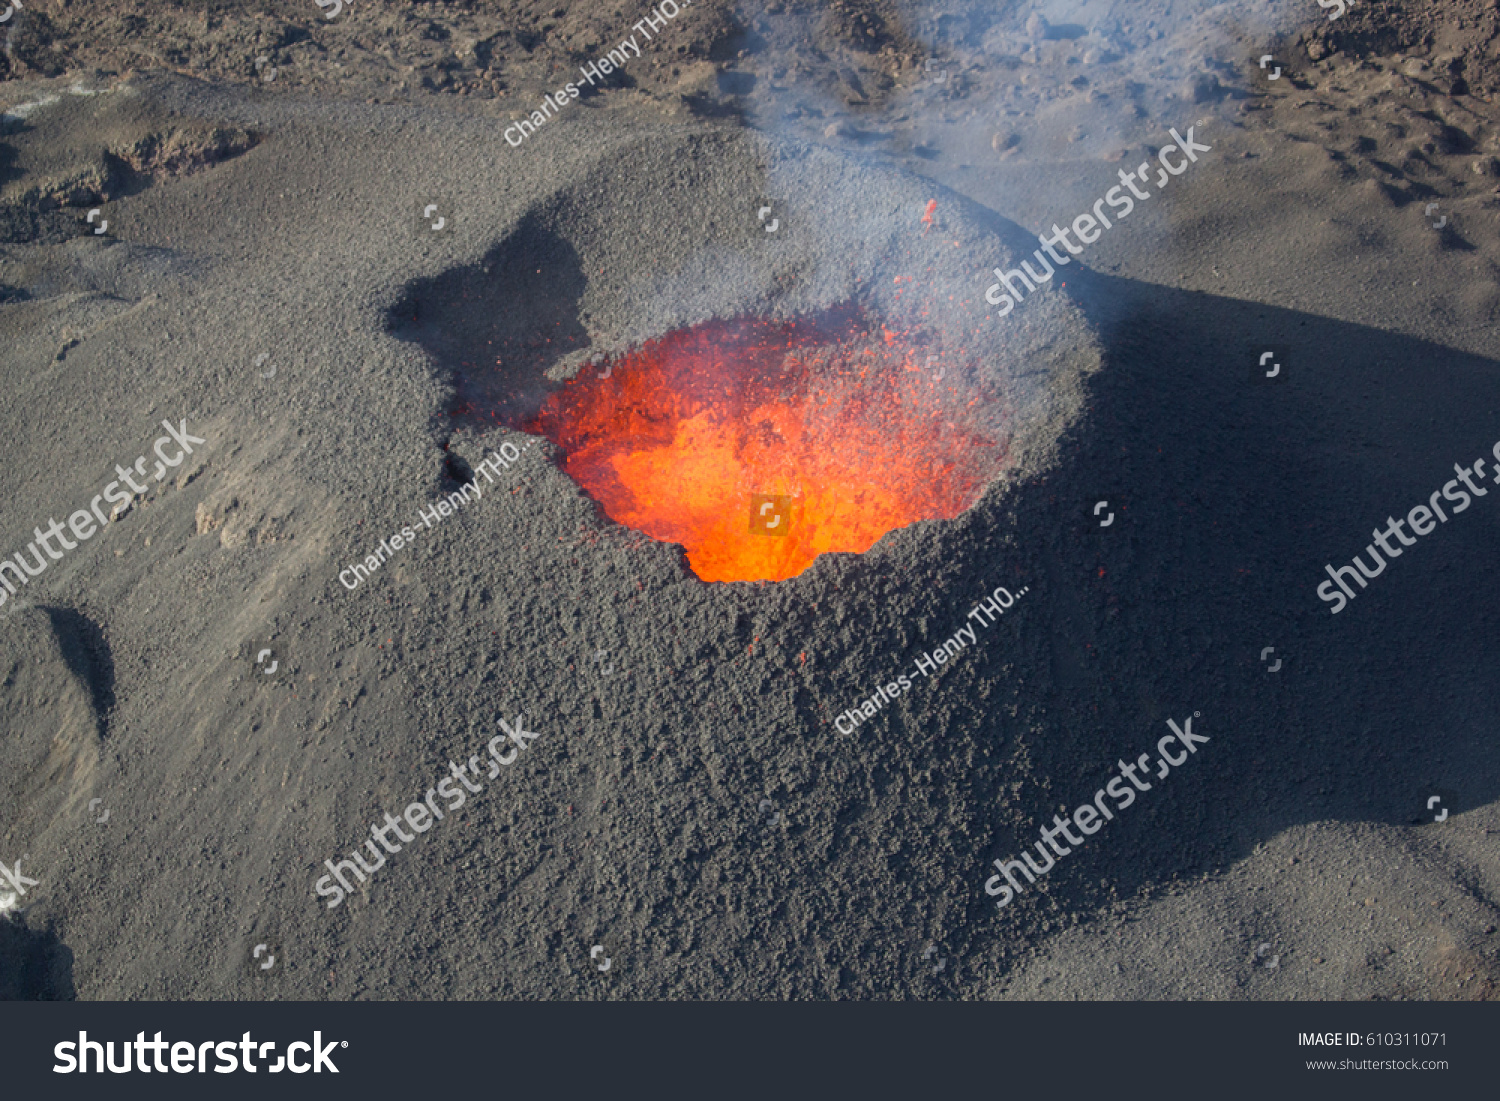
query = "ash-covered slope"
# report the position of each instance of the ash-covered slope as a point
(689, 802)
(258, 299)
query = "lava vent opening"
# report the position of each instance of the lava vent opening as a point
(759, 445)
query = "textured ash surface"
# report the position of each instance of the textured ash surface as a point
(499, 610)
(291, 226)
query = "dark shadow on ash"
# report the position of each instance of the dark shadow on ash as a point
(9, 166)
(1241, 492)
(500, 324)
(87, 655)
(34, 965)
(456, 470)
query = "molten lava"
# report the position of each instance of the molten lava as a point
(760, 445)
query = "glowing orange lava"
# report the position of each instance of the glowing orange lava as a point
(760, 445)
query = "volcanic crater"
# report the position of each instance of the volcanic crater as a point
(810, 394)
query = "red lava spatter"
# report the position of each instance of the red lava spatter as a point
(759, 445)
